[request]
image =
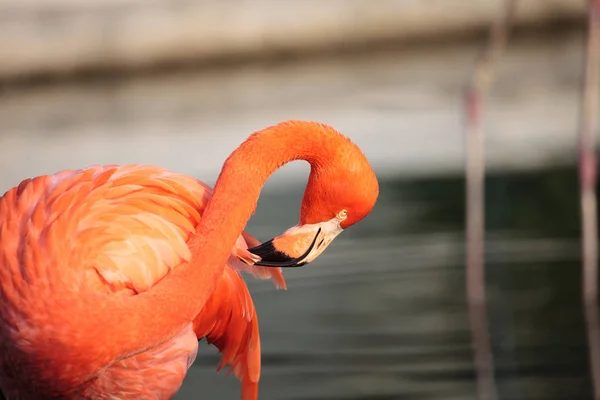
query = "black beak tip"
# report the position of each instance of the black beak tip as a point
(271, 257)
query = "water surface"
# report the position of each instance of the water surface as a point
(382, 314)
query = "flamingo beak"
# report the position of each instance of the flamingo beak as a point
(298, 245)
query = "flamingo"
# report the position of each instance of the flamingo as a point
(110, 275)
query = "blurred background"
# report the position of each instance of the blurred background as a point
(382, 314)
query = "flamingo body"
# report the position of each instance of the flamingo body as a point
(110, 275)
(117, 231)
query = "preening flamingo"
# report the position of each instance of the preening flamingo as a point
(110, 275)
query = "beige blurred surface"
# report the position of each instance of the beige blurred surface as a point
(402, 107)
(59, 36)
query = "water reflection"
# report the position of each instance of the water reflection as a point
(382, 315)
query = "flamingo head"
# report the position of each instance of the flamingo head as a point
(336, 197)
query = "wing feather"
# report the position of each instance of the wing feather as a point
(229, 321)
(124, 228)
(137, 220)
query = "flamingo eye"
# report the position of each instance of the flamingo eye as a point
(342, 214)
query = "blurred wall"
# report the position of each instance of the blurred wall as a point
(403, 107)
(62, 36)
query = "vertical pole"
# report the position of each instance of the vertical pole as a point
(475, 202)
(587, 180)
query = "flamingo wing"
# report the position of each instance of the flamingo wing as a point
(151, 213)
(229, 321)
(120, 230)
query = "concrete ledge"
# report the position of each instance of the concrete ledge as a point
(47, 37)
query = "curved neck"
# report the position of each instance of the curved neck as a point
(157, 315)
(182, 294)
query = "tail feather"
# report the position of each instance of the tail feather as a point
(229, 322)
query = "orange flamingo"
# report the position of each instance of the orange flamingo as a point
(110, 275)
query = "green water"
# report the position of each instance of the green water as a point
(382, 315)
